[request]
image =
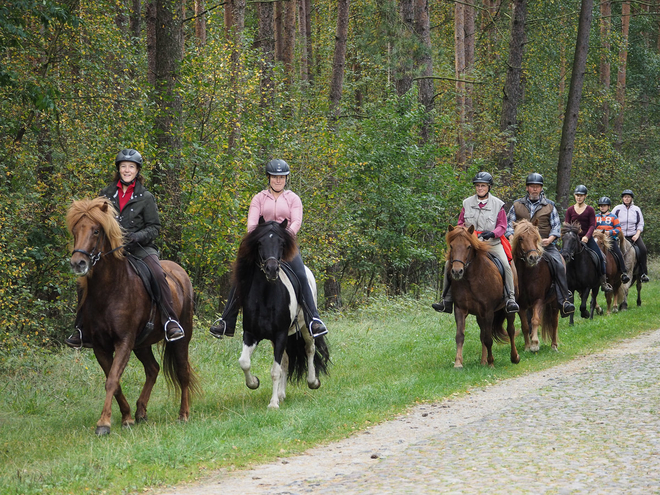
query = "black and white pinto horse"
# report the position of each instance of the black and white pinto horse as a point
(271, 312)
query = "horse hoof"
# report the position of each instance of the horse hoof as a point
(515, 360)
(599, 311)
(315, 384)
(585, 314)
(141, 419)
(555, 349)
(534, 348)
(128, 424)
(254, 385)
(273, 406)
(102, 431)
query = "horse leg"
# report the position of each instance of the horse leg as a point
(584, 295)
(277, 371)
(184, 373)
(594, 297)
(524, 324)
(511, 331)
(486, 335)
(459, 316)
(639, 292)
(113, 369)
(536, 322)
(244, 361)
(151, 369)
(313, 381)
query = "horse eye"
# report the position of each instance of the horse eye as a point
(96, 231)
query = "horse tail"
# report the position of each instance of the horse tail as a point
(548, 323)
(499, 333)
(298, 358)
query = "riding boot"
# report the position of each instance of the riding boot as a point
(314, 324)
(604, 285)
(566, 307)
(446, 304)
(618, 256)
(226, 324)
(173, 329)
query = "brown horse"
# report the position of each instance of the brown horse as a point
(116, 308)
(478, 289)
(535, 285)
(613, 298)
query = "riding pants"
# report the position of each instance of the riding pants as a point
(642, 254)
(593, 245)
(618, 255)
(559, 272)
(166, 302)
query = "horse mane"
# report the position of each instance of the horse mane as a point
(460, 231)
(525, 227)
(573, 228)
(603, 238)
(101, 211)
(248, 260)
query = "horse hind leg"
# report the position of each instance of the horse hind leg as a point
(245, 361)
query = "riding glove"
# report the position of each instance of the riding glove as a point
(486, 234)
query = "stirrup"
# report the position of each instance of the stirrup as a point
(77, 329)
(183, 332)
(216, 324)
(322, 332)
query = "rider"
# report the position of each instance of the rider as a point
(275, 203)
(138, 216)
(536, 206)
(632, 225)
(486, 213)
(609, 223)
(585, 215)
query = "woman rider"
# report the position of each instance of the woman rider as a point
(486, 213)
(275, 203)
(632, 225)
(609, 223)
(585, 215)
(138, 216)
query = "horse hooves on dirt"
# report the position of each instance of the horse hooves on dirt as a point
(315, 384)
(102, 431)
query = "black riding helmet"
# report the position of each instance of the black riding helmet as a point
(627, 191)
(581, 189)
(277, 167)
(605, 201)
(534, 178)
(129, 155)
(484, 178)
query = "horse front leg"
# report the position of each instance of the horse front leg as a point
(593, 302)
(511, 331)
(151, 369)
(524, 325)
(278, 371)
(113, 369)
(245, 361)
(584, 295)
(313, 381)
(459, 316)
(486, 335)
(537, 308)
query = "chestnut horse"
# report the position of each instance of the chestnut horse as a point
(116, 308)
(535, 285)
(477, 288)
(613, 298)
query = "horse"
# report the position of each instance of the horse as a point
(477, 288)
(582, 271)
(535, 285)
(271, 311)
(116, 308)
(613, 275)
(630, 259)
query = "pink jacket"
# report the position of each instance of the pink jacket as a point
(288, 206)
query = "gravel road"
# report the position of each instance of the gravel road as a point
(588, 426)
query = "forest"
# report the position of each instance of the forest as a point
(384, 110)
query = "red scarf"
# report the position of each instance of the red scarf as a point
(124, 197)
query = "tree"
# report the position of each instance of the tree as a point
(621, 74)
(573, 104)
(605, 24)
(339, 60)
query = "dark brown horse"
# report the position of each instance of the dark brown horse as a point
(116, 308)
(535, 285)
(477, 288)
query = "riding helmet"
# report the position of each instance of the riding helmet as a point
(605, 201)
(277, 167)
(534, 178)
(484, 178)
(129, 155)
(581, 189)
(627, 191)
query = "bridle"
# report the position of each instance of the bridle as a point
(96, 254)
(464, 263)
(580, 247)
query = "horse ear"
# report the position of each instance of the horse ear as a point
(471, 229)
(104, 206)
(261, 220)
(284, 223)
(451, 227)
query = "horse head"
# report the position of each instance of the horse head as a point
(273, 246)
(463, 246)
(527, 242)
(95, 232)
(570, 240)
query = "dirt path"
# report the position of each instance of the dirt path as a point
(588, 426)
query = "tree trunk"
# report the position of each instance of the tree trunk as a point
(200, 22)
(459, 61)
(469, 26)
(236, 16)
(167, 170)
(573, 104)
(135, 20)
(404, 65)
(150, 18)
(308, 39)
(426, 87)
(605, 24)
(266, 42)
(621, 75)
(339, 61)
(279, 30)
(513, 92)
(289, 39)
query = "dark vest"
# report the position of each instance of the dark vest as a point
(542, 215)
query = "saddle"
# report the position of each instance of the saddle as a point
(592, 253)
(152, 288)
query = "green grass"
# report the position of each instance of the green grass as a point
(386, 358)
